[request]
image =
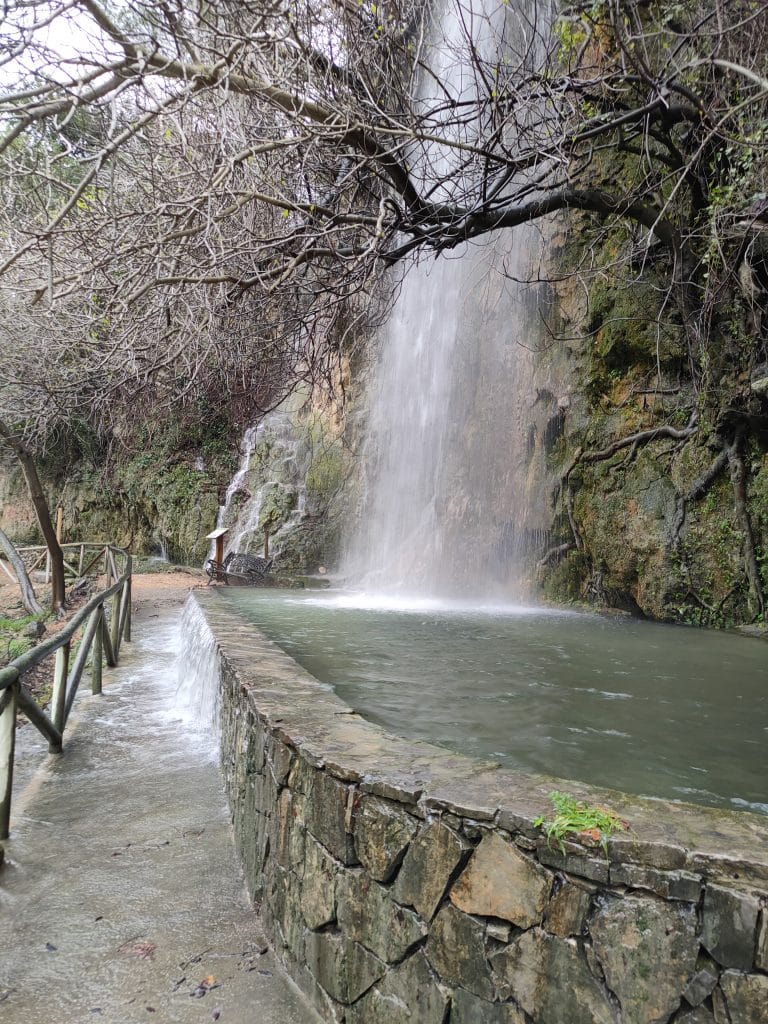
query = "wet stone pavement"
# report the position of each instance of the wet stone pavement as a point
(121, 899)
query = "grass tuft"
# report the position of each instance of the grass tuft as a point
(577, 817)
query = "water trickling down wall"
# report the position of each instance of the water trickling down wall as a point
(267, 491)
(289, 486)
(198, 694)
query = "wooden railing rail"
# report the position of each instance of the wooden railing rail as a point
(36, 556)
(102, 637)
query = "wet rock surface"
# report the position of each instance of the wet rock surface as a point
(370, 916)
(501, 881)
(699, 1015)
(341, 966)
(551, 981)
(567, 911)
(647, 949)
(428, 866)
(382, 833)
(468, 1009)
(407, 994)
(746, 997)
(730, 923)
(455, 949)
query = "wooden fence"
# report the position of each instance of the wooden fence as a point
(104, 622)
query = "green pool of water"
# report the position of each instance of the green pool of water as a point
(660, 710)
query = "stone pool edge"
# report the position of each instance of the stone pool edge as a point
(392, 873)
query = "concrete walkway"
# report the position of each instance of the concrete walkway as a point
(121, 899)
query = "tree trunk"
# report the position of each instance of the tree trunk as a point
(28, 598)
(40, 503)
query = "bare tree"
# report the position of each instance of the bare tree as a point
(40, 504)
(229, 146)
(28, 599)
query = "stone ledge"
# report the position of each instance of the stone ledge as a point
(341, 824)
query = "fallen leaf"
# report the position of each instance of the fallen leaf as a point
(591, 833)
(205, 986)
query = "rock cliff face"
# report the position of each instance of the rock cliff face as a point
(158, 493)
(289, 491)
(663, 498)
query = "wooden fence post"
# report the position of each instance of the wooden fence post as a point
(97, 654)
(115, 625)
(8, 700)
(109, 655)
(113, 565)
(128, 591)
(60, 673)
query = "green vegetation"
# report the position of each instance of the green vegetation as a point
(13, 642)
(577, 817)
(326, 472)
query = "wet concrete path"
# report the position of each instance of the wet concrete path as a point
(121, 899)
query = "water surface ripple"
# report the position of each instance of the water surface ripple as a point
(658, 710)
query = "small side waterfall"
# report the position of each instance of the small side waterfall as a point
(197, 692)
(455, 491)
(246, 450)
(268, 489)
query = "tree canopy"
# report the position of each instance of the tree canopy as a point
(204, 195)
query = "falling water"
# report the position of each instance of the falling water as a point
(276, 476)
(197, 693)
(246, 450)
(455, 498)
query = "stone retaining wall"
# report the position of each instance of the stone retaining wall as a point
(403, 884)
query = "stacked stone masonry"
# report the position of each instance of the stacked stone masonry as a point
(403, 884)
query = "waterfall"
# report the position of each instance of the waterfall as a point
(246, 450)
(268, 487)
(197, 693)
(455, 472)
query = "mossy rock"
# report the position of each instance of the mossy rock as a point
(627, 517)
(758, 502)
(277, 503)
(627, 331)
(563, 583)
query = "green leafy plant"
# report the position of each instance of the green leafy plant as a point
(578, 817)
